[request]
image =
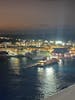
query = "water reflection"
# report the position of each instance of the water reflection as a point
(40, 71)
(15, 65)
(21, 83)
(48, 80)
(61, 62)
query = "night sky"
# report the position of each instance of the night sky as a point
(58, 16)
(27, 14)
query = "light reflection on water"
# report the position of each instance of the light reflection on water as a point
(15, 65)
(48, 81)
(36, 83)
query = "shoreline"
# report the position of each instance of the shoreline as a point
(65, 94)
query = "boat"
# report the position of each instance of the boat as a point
(43, 63)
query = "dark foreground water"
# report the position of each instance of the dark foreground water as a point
(17, 82)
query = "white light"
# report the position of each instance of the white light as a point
(58, 42)
(60, 63)
(51, 41)
(40, 71)
(49, 71)
(33, 40)
(46, 41)
(63, 44)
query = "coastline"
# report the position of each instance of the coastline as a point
(65, 94)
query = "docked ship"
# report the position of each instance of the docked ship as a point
(43, 63)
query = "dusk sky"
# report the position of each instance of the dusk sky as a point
(27, 14)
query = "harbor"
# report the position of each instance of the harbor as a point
(37, 50)
(20, 80)
(37, 72)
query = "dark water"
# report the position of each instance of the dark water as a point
(17, 82)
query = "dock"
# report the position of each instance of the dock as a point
(65, 94)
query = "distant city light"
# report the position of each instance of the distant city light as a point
(33, 40)
(58, 42)
(46, 41)
(51, 41)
